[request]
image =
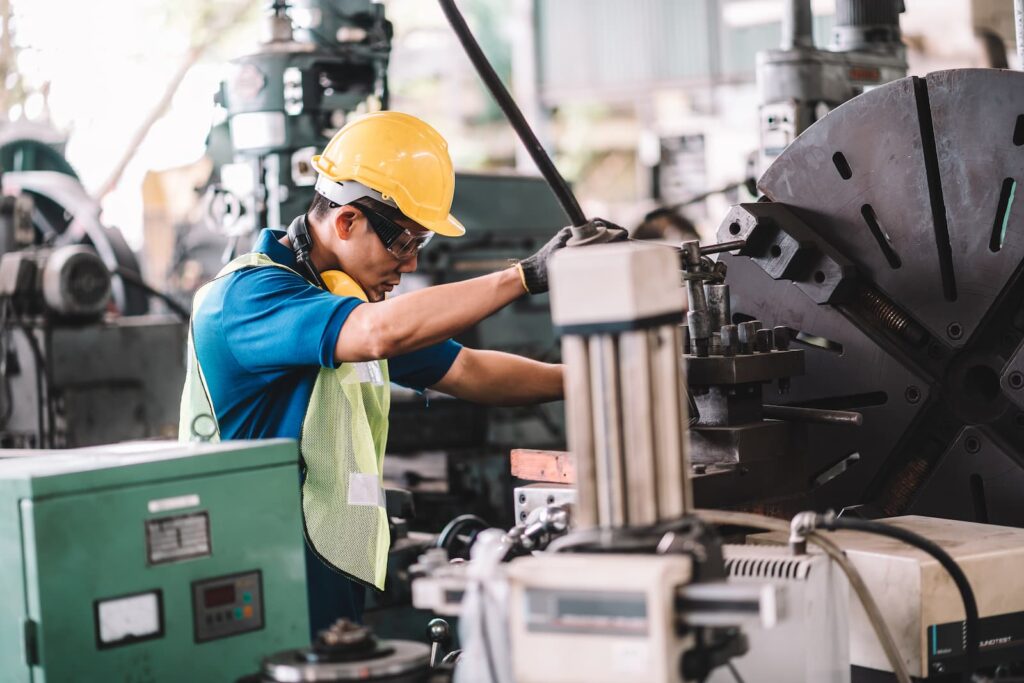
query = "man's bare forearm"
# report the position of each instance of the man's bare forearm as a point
(424, 317)
(504, 379)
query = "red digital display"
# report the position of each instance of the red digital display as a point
(219, 595)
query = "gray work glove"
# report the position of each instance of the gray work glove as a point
(535, 268)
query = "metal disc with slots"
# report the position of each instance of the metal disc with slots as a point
(909, 196)
(400, 661)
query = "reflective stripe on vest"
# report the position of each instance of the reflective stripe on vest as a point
(342, 444)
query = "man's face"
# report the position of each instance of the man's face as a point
(369, 262)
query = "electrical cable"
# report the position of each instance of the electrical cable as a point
(486, 639)
(874, 614)
(43, 404)
(514, 115)
(735, 673)
(4, 341)
(492, 552)
(831, 522)
(696, 199)
(134, 279)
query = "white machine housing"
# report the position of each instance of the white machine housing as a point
(628, 279)
(813, 605)
(919, 600)
(577, 618)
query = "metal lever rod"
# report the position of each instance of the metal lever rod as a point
(705, 250)
(733, 245)
(511, 110)
(818, 415)
(439, 633)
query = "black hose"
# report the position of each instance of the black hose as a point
(135, 280)
(698, 198)
(44, 404)
(513, 114)
(829, 521)
(4, 351)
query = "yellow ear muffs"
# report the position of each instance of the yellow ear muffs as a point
(341, 284)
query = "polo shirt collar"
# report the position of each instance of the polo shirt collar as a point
(267, 243)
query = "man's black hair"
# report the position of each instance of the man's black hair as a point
(656, 225)
(320, 206)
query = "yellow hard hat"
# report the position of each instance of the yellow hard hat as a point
(401, 157)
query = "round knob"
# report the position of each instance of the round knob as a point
(438, 630)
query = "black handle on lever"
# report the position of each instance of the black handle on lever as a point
(512, 112)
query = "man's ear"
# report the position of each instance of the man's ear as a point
(344, 221)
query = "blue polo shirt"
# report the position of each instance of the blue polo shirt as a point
(262, 335)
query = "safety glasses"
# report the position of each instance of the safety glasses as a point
(400, 242)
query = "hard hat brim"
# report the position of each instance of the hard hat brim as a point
(450, 227)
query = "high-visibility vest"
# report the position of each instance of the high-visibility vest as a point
(342, 447)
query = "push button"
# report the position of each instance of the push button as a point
(247, 611)
(238, 613)
(247, 597)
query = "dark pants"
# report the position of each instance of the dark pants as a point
(331, 595)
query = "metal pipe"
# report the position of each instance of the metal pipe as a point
(607, 421)
(699, 325)
(730, 340)
(579, 422)
(512, 112)
(816, 415)
(747, 332)
(797, 25)
(669, 421)
(691, 254)
(719, 305)
(1018, 10)
(781, 338)
(731, 245)
(638, 426)
(697, 302)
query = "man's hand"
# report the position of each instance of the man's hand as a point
(534, 269)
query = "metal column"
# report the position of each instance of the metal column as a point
(619, 309)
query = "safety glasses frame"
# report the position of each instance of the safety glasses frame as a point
(401, 243)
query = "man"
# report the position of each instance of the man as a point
(667, 225)
(297, 339)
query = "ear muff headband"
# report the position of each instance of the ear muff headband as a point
(302, 245)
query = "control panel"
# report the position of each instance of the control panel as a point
(227, 605)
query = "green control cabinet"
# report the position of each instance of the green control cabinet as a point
(149, 561)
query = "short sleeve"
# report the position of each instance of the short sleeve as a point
(424, 368)
(274, 320)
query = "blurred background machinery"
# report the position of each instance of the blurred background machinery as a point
(799, 83)
(322, 61)
(77, 339)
